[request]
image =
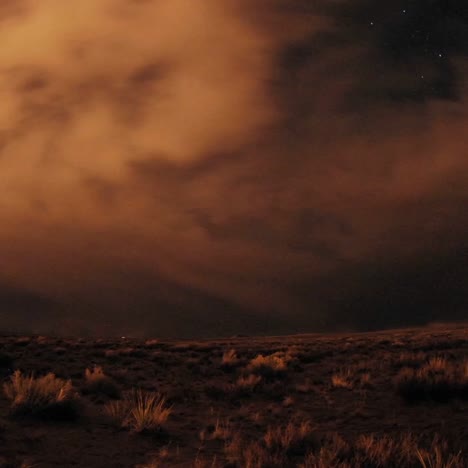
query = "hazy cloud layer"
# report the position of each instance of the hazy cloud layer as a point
(220, 167)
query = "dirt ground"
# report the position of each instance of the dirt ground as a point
(223, 398)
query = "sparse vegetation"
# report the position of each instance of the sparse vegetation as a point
(377, 452)
(292, 439)
(47, 397)
(437, 380)
(140, 411)
(270, 402)
(278, 448)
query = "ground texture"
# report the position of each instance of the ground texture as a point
(394, 398)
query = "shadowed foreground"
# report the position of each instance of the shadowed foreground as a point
(396, 398)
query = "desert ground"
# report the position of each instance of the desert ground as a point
(394, 398)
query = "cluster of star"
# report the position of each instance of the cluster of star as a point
(419, 39)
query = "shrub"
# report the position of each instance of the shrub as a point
(98, 383)
(140, 411)
(46, 397)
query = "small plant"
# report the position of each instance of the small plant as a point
(221, 430)
(98, 383)
(229, 359)
(140, 411)
(437, 364)
(247, 384)
(47, 397)
(342, 379)
(270, 366)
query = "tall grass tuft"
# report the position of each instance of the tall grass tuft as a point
(140, 411)
(47, 397)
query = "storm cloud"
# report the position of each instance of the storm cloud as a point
(197, 168)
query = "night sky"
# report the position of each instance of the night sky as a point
(215, 167)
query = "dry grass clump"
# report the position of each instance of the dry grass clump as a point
(437, 364)
(411, 359)
(292, 439)
(98, 383)
(221, 430)
(229, 359)
(239, 452)
(164, 457)
(140, 411)
(244, 386)
(47, 397)
(247, 384)
(437, 380)
(273, 365)
(299, 445)
(342, 379)
(377, 452)
(436, 457)
(278, 448)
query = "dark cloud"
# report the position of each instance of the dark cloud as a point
(26, 310)
(234, 167)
